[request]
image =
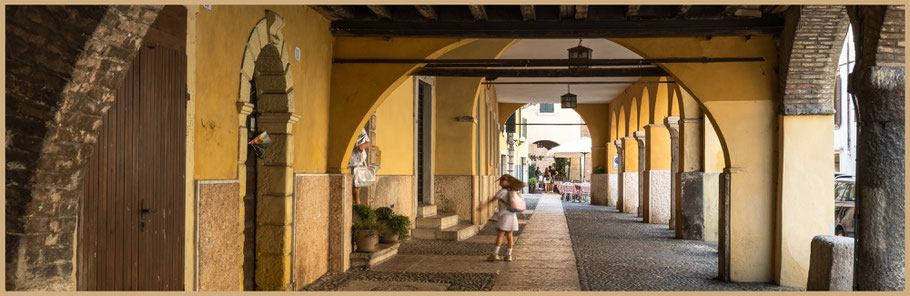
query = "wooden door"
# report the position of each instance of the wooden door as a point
(131, 222)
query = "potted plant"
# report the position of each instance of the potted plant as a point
(385, 214)
(399, 227)
(366, 235)
(599, 169)
(532, 185)
(363, 213)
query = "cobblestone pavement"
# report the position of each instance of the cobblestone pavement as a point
(616, 252)
(449, 265)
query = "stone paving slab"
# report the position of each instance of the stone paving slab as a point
(439, 263)
(544, 257)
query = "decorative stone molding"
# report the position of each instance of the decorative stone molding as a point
(266, 63)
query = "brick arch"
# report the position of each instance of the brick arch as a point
(63, 67)
(812, 40)
(266, 63)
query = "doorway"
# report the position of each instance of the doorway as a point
(131, 220)
(424, 130)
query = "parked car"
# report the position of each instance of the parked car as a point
(844, 205)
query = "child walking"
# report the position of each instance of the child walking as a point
(506, 221)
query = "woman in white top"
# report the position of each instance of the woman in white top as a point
(357, 159)
(506, 221)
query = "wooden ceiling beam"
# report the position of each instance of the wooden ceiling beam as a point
(381, 11)
(427, 11)
(527, 13)
(479, 12)
(333, 12)
(768, 25)
(566, 11)
(581, 12)
(632, 11)
(491, 74)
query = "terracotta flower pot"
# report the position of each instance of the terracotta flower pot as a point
(366, 240)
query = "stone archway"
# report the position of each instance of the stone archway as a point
(266, 64)
(60, 83)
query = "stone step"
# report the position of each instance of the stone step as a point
(383, 252)
(425, 210)
(439, 221)
(458, 232)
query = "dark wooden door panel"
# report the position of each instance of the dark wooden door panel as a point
(131, 222)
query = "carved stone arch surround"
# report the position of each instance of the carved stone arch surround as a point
(266, 61)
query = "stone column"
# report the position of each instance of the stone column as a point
(689, 214)
(880, 175)
(630, 184)
(657, 175)
(642, 153)
(672, 124)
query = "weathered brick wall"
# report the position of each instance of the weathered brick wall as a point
(63, 65)
(811, 43)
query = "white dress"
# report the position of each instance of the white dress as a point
(357, 157)
(505, 220)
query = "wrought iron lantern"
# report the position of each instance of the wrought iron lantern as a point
(579, 53)
(569, 100)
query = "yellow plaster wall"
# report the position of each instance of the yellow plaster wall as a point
(630, 155)
(806, 203)
(714, 153)
(457, 96)
(597, 118)
(740, 98)
(715, 81)
(658, 147)
(357, 90)
(455, 140)
(611, 151)
(221, 36)
(753, 172)
(395, 131)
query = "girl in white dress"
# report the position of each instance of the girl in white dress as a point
(506, 221)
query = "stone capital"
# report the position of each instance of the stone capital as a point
(672, 124)
(640, 137)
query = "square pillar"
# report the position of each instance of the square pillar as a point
(656, 176)
(805, 207)
(629, 193)
(613, 160)
(689, 194)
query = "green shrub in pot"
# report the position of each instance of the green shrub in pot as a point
(599, 169)
(401, 225)
(384, 213)
(364, 213)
